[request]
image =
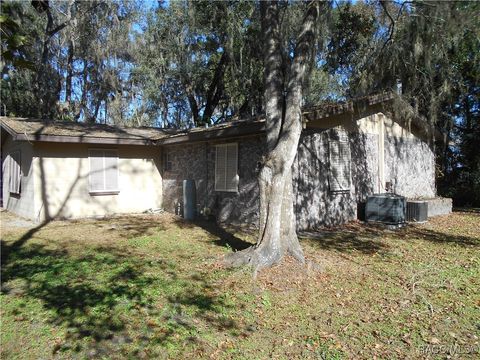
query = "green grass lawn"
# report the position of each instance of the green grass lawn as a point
(153, 287)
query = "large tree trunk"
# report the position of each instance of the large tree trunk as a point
(40, 90)
(85, 89)
(70, 56)
(277, 233)
(69, 77)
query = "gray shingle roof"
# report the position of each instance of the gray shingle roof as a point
(77, 132)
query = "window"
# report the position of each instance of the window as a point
(15, 174)
(103, 171)
(167, 161)
(339, 156)
(226, 163)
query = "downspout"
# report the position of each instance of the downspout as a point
(207, 189)
(381, 153)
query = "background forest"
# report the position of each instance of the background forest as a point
(183, 64)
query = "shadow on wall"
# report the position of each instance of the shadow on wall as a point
(187, 161)
(55, 208)
(364, 150)
(409, 163)
(193, 161)
(139, 182)
(16, 245)
(315, 204)
(23, 152)
(240, 208)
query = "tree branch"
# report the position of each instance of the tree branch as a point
(216, 88)
(193, 108)
(60, 27)
(392, 23)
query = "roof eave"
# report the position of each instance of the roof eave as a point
(206, 135)
(79, 139)
(8, 129)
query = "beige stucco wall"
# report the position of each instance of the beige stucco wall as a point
(405, 158)
(369, 122)
(22, 204)
(61, 174)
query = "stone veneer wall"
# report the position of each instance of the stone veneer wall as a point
(410, 165)
(315, 204)
(188, 162)
(240, 208)
(197, 161)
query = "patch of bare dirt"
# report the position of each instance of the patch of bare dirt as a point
(290, 274)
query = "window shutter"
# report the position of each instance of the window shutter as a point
(103, 170)
(167, 161)
(14, 161)
(220, 167)
(231, 168)
(111, 170)
(226, 165)
(339, 174)
(96, 170)
(12, 174)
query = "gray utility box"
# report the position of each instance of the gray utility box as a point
(189, 199)
(417, 211)
(386, 208)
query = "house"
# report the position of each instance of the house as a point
(346, 152)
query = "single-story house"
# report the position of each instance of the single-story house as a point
(346, 152)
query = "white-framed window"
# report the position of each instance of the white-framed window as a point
(226, 165)
(14, 161)
(339, 175)
(103, 176)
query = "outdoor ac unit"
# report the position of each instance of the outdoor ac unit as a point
(386, 208)
(417, 211)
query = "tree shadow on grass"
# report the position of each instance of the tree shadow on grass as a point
(474, 211)
(225, 236)
(122, 226)
(83, 294)
(346, 242)
(190, 307)
(103, 297)
(370, 238)
(128, 226)
(440, 237)
(17, 244)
